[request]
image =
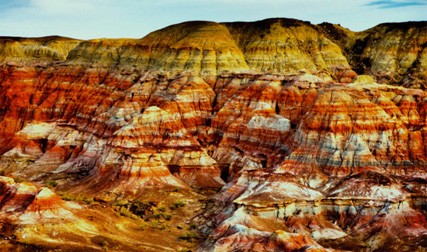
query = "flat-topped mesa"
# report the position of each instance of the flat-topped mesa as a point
(276, 45)
(203, 47)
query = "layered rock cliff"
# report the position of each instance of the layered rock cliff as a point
(393, 53)
(304, 137)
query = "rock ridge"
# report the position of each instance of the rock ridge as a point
(391, 52)
(305, 137)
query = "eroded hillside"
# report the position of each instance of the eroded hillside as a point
(269, 135)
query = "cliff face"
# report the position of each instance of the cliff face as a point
(294, 127)
(393, 53)
(287, 46)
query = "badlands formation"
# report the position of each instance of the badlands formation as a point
(276, 135)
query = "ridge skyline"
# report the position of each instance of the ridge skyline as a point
(420, 22)
(130, 18)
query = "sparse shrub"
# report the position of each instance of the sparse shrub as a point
(51, 183)
(67, 197)
(177, 205)
(146, 210)
(162, 209)
(104, 244)
(88, 200)
(18, 180)
(125, 212)
(121, 203)
(188, 236)
(142, 226)
(184, 250)
(158, 215)
(157, 225)
(141, 209)
(180, 203)
(136, 208)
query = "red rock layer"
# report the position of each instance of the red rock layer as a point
(336, 128)
(158, 137)
(15, 198)
(96, 106)
(243, 231)
(306, 121)
(28, 204)
(194, 102)
(348, 215)
(348, 150)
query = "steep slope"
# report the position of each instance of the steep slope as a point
(269, 119)
(393, 53)
(288, 46)
(197, 47)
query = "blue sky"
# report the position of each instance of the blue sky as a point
(135, 18)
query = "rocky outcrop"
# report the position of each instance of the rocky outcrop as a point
(155, 146)
(348, 215)
(394, 53)
(35, 218)
(307, 153)
(196, 47)
(287, 46)
(243, 231)
(25, 204)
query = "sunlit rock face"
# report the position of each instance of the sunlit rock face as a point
(14, 50)
(24, 203)
(313, 136)
(392, 61)
(288, 46)
(196, 47)
(393, 53)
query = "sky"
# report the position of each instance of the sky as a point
(85, 19)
